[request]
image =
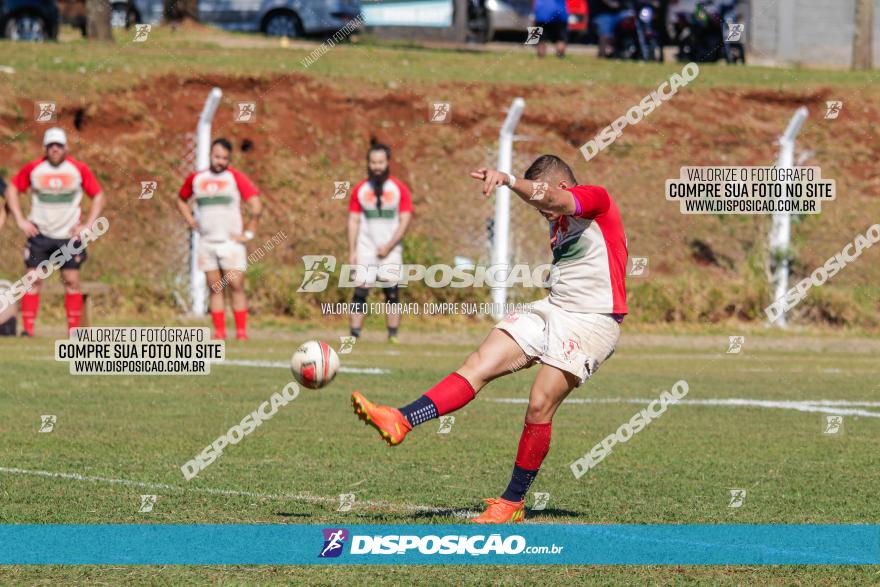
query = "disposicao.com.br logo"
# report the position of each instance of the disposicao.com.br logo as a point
(334, 541)
(394, 544)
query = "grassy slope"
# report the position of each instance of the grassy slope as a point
(205, 51)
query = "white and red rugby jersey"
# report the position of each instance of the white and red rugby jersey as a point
(379, 220)
(589, 250)
(56, 193)
(218, 198)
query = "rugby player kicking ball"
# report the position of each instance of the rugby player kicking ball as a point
(570, 333)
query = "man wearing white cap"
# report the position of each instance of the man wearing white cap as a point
(57, 183)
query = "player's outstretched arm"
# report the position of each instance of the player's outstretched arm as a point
(538, 194)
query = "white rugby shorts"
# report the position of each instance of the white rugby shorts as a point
(226, 255)
(573, 342)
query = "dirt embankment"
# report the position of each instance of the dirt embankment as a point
(310, 133)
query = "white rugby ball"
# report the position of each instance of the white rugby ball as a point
(314, 364)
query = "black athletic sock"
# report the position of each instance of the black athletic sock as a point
(356, 332)
(392, 331)
(520, 481)
(420, 411)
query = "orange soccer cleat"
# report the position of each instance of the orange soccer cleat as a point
(388, 421)
(501, 511)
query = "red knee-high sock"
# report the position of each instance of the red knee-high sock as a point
(452, 393)
(30, 304)
(219, 319)
(534, 444)
(240, 324)
(73, 303)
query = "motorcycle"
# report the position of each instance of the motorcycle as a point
(734, 49)
(637, 35)
(709, 34)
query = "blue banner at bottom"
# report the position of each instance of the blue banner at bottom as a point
(531, 544)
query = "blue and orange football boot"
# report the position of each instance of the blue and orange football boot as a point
(391, 424)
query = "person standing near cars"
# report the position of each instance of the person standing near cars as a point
(552, 16)
(607, 14)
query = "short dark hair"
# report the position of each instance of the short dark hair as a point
(545, 165)
(223, 143)
(377, 146)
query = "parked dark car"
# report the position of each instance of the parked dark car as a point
(29, 20)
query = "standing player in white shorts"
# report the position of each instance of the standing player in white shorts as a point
(217, 192)
(378, 216)
(571, 332)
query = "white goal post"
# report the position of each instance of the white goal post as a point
(198, 285)
(501, 232)
(780, 230)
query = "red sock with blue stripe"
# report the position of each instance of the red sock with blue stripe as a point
(534, 444)
(452, 393)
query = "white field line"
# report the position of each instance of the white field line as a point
(283, 365)
(298, 497)
(818, 406)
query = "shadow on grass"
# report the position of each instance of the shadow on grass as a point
(459, 516)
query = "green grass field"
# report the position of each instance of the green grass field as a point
(118, 437)
(83, 67)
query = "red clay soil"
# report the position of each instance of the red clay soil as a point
(309, 133)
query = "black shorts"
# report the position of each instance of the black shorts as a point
(554, 31)
(39, 248)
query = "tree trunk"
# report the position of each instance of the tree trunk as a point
(863, 45)
(98, 20)
(178, 10)
(460, 20)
